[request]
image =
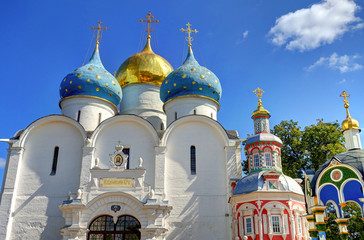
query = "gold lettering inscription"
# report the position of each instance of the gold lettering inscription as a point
(117, 182)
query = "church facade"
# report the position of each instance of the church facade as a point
(266, 204)
(139, 156)
(337, 183)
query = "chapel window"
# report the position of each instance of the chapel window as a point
(99, 118)
(55, 159)
(248, 225)
(299, 225)
(103, 228)
(268, 158)
(127, 152)
(78, 116)
(276, 224)
(175, 115)
(256, 159)
(194, 112)
(162, 126)
(193, 159)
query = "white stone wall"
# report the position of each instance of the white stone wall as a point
(190, 106)
(132, 132)
(199, 201)
(35, 213)
(144, 100)
(92, 110)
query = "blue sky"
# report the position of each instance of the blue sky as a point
(303, 54)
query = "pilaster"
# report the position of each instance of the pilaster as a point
(160, 167)
(87, 160)
(342, 222)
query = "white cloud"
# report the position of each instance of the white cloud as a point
(245, 34)
(2, 162)
(322, 23)
(342, 81)
(343, 63)
(242, 38)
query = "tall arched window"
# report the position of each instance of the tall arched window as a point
(78, 116)
(193, 159)
(55, 159)
(268, 157)
(256, 159)
(103, 228)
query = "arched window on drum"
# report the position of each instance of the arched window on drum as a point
(268, 157)
(256, 160)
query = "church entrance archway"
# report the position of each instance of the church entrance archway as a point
(103, 228)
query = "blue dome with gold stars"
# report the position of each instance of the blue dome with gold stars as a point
(191, 79)
(91, 80)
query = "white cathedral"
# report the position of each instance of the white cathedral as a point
(136, 156)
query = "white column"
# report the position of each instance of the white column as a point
(160, 167)
(8, 196)
(87, 162)
(352, 139)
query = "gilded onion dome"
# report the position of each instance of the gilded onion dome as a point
(349, 122)
(191, 79)
(93, 80)
(145, 67)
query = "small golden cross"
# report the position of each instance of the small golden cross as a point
(345, 95)
(98, 28)
(149, 20)
(259, 92)
(189, 39)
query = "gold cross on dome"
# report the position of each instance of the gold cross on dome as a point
(259, 92)
(189, 39)
(149, 20)
(99, 29)
(345, 96)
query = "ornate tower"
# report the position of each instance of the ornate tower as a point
(263, 149)
(191, 89)
(266, 204)
(350, 127)
(140, 77)
(90, 94)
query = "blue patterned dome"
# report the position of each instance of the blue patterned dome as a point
(191, 79)
(91, 80)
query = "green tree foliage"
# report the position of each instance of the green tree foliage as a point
(332, 228)
(321, 141)
(355, 224)
(292, 151)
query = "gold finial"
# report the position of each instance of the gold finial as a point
(259, 92)
(349, 122)
(345, 95)
(99, 29)
(149, 20)
(189, 39)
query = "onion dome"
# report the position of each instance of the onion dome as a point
(145, 67)
(254, 182)
(191, 79)
(349, 122)
(91, 80)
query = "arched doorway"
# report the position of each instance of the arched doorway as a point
(103, 228)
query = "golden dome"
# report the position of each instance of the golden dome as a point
(349, 122)
(144, 67)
